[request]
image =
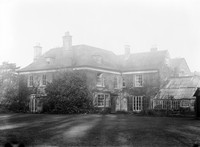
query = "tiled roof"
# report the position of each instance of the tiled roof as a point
(180, 88)
(175, 62)
(79, 55)
(82, 55)
(144, 61)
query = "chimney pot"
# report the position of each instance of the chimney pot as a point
(67, 41)
(37, 51)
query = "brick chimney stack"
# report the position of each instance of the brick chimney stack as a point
(37, 51)
(67, 41)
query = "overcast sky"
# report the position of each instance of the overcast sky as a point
(172, 25)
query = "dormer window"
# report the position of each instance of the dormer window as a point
(100, 80)
(97, 59)
(49, 60)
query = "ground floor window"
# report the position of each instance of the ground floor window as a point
(175, 104)
(185, 103)
(137, 103)
(102, 99)
(167, 104)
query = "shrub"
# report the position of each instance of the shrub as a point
(16, 97)
(68, 94)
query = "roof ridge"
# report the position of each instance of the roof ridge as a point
(94, 47)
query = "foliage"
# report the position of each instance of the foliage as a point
(8, 79)
(68, 94)
(16, 97)
(13, 89)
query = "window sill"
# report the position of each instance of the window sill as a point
(103, 106)
(139, 86)
(99, 86)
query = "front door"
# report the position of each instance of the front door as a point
(121, 104)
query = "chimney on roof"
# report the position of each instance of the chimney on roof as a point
(127, 50)
(37, 51)
(154, 48)
(67, 41)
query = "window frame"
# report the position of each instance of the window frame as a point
(30, 81)
(106, 101)
(116, 82)
(123, 82)
(139, 80)
(100, 80)
(137, 103)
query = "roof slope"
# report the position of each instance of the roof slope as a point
(180, 88)
(83, 55)
(80, 55)
(175, 62)
(144, 61)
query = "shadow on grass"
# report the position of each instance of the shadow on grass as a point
(36, 129)
(97, 130)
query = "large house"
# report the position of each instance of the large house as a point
(125, 82)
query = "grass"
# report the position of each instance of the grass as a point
(98, 130)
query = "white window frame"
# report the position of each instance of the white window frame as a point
(175, 104)
(139, 80)
(123, 82)
(30, 81)
(100, 80)
(137, 103)
(116, 82)
(106, 99)
(185, 103)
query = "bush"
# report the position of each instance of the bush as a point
(68, 94)
(16, 97)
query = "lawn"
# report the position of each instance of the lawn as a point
(98, 130)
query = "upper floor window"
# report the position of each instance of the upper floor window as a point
(138, 81)
(123, 82)
(30, 81)
(44, 80)
(116, 82)
(49, 60)
(100, 80)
